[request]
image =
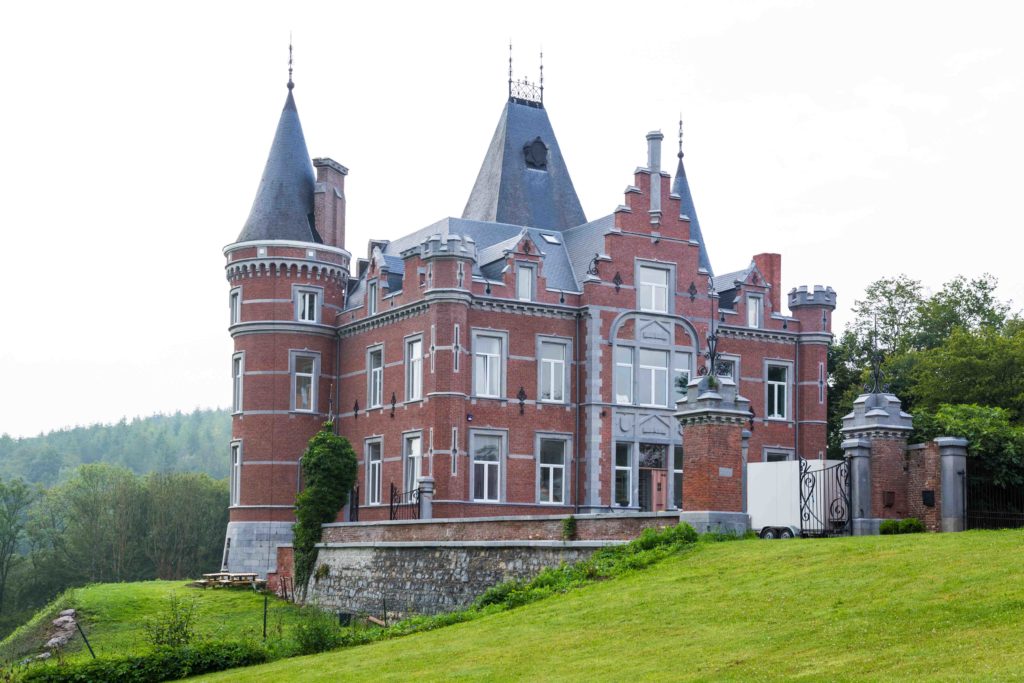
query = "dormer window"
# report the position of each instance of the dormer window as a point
(524, 282)
(755, 311)
(371, 298)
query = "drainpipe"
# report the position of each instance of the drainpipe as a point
(576, 437)
(796, 396)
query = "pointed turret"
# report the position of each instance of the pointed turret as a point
(681, 188)
(523, 180)
(283, 208)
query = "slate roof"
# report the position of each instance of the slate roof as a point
(283, 207)
(725, 285)
(508, 191)
(681, 187)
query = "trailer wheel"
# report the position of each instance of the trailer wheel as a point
(786, 533)
(769, 533)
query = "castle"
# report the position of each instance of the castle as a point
(518, 360)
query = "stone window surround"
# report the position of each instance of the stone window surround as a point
(407, 436)
(297, 292)
(502, 337)
(372, 287)
(235, 305)
(759, 298)
(235, 484)
(567, 363)
(531, 268)
(788, 365)
(293, 356)
(566, 439)
(788, 451)
(370, 378)
(407, 341)
(367, 443)
(502, 460)
(670, 271)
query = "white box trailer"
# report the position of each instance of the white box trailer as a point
(773, 496)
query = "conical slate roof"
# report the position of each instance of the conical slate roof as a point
(523, 180)
(283, 207)
(682, 188)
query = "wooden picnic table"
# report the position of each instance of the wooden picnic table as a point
(230, 579)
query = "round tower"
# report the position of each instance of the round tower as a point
(287, 273)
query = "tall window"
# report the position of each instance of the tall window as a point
(623, 474)
(623, 374)
(373, 472)
(371, 298)
(755, 311)
(237, 374)
(414, 370)
(552, 372)
(235, 303)
(552, 471)
(308, 306)
(524, 282)
(413, 460)
(375, 378)
(653, 289)
(486, 467)
(777, 380)
(302, 383)
(680, 375)
(653, 380)
(677, 477)
(236, 473)
(487, 366)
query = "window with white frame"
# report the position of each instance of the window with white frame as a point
(552, 471)
(677, 477)
(375, 377)
(653, 294)
(413, 457)
(414, 369)
(487, 365)
(623, 474)
(652, 382)
(680, 375)
(236, 473)
(487, 467)
(307, 305)
(237, 378)
(777, 455)
(303, 385)
(552, 371)
(524, 282)
(373, 472)
(755, 311)
(371, 298)
(235, 304)
(778, 376)
(623, 375)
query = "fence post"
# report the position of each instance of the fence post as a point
(426, 498)
(953, 460)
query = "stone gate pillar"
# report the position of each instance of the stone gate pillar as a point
(713, 416)
(953, 473)
(876, 443)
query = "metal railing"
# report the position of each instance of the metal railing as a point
(994, 507)
(404, 504)
(353, 505)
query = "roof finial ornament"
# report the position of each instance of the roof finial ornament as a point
(680, 155)
(290, 84)
(542, 75)
(510, 68)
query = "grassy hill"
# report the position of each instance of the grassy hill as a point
(113, 615)
(920, 607)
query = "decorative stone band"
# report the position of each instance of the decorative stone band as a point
(876, 432)
(712, 416)
(382, 319)
(283, 267)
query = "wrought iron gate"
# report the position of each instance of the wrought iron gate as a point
(825, 505)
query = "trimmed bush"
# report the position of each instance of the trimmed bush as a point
(911, 525)
(889, 527)
(163, 664)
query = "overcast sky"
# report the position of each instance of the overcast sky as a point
(858, 139)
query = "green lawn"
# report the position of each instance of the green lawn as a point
(112, 615)
(916, 607)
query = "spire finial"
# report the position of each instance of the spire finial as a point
(510, 68)
(680, 135)
(290, 84)
(542, 75)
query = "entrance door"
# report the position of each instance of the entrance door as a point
(653, 486)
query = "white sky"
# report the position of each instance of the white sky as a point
(858, 139)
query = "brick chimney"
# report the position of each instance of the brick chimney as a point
(329, 201)
(770, 266)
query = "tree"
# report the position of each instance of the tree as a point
(186, 517)
(15, 499)
(888, 313)
(328, 471)
(996, 445)
(961, 303)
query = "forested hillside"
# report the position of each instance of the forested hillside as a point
(182, 442)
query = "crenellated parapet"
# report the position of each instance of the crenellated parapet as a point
(280, 258)
(818, 296)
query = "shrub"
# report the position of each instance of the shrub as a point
(174, 626)
(162, 664)
(569, 528)
(911, 525)
(889, 527)
(316, 631)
